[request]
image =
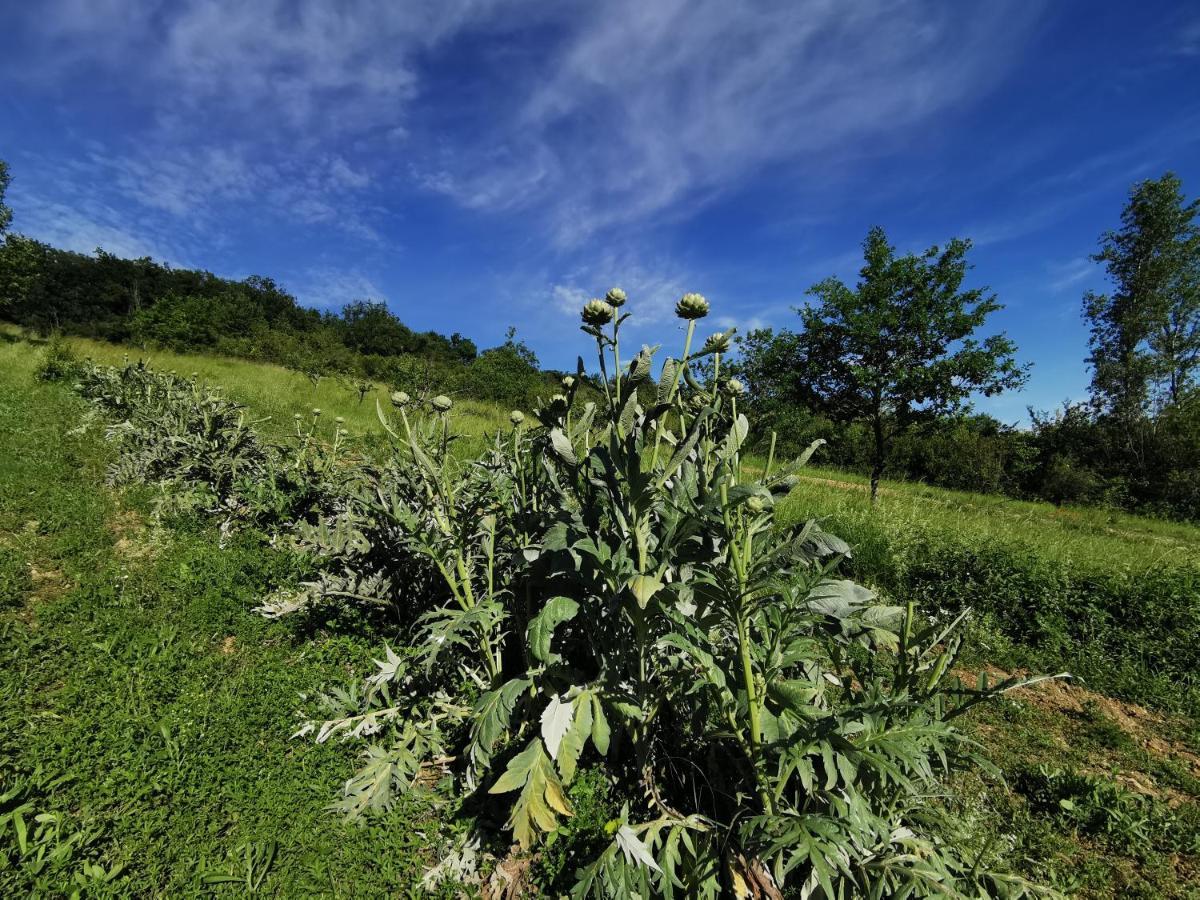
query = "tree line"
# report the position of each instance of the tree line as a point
(886, 371)
(152, 304)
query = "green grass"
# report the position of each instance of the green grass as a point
(132, 665)
(1113, 607)
(274, 394)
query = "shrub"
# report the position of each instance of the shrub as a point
(59, 360)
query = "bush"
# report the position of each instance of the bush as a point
(59, 360)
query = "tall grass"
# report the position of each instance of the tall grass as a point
(1116, 606)
(274, 393)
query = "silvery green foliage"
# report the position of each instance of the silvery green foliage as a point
(180, 434)
(608, 586)
(169, 428)
(612, 586)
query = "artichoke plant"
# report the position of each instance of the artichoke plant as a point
(616, 592)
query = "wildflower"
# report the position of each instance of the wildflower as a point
(516, 417)
(691, 306)
(597, 313)
(441, 403)
(615, 298)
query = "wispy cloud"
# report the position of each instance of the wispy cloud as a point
(1069, 274)
(666, 104)
(332, 288)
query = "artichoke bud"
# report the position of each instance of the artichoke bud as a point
(615, 297)
(597, 313)
(516, 417)
(399, 399)
(755, 504)
(441, 403)
(316, 412)
(717, 343)
(691, 306)
(568, 382)
(733, 387)
(297, 416)
(339, 421)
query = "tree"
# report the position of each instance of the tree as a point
(900, 347)
(5, 211)
(1145, 335)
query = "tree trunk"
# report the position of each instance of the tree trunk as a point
(877, 459)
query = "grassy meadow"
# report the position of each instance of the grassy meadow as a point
(147, 710)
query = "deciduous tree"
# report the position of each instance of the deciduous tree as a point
(900, 346)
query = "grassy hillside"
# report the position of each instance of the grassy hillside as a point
(136, 671)
(145, 708)
(274, 394)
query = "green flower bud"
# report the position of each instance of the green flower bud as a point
(516, 417)
(399, 399)
(558, 400)
(691, 306)
(297, 416)
(734, 387)
(568, 382)
(316, 412)
(616, 297)
(717, 343)
(441, 403)
(597, 313)
(339, 421)
(755, 504)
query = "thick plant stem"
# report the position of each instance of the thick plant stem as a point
(687, 352)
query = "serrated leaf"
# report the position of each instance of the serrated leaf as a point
(556, 722)
(541, 799)
(576, 737)
(634, 849)
(665, 381)
(541, 627)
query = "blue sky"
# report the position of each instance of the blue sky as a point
(481, 163)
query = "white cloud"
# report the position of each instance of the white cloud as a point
(650, 107)
(629, 114)
(85, 227)
(1069, 274)
(332, 288)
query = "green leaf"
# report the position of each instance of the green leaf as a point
(644, 587)
(561, 445)
(600, 730)
(634, 849)
(576, 737)
(541, 627)
(541, 800)
(556, 722)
